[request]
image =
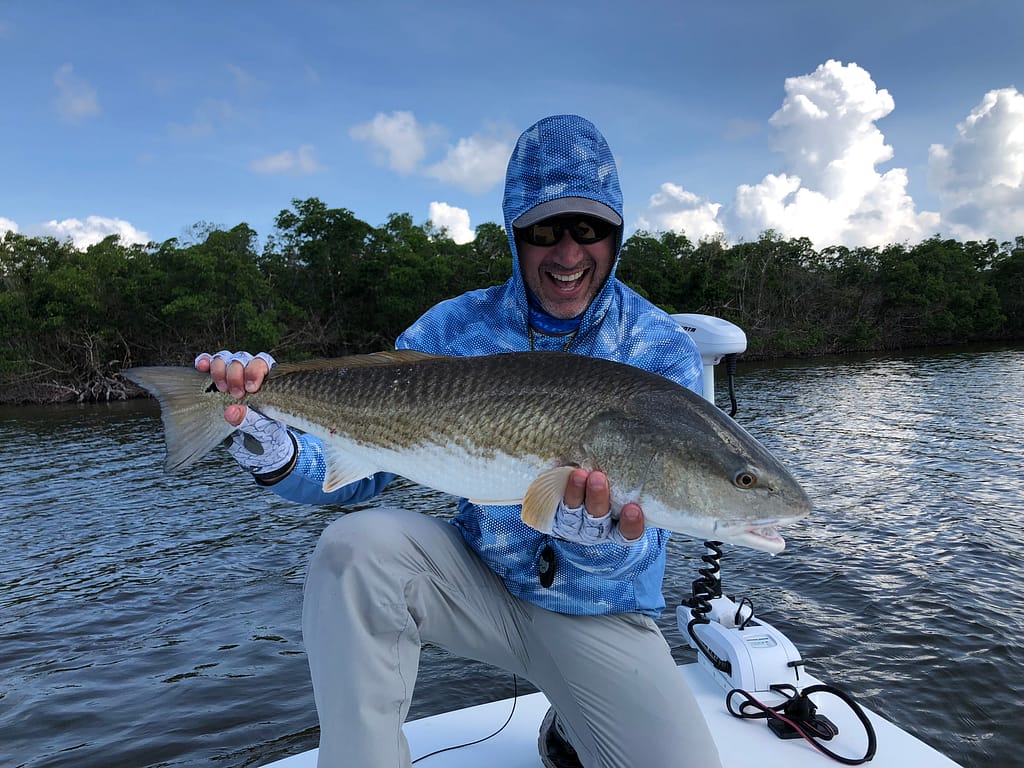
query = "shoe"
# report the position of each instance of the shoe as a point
(555, 749)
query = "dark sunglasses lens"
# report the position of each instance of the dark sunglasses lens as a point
(585, 230)
(589, 230)
(544, 233)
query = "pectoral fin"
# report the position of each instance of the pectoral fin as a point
(342, 469)
(543, 497)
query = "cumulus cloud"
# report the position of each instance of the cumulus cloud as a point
(455, 220)
(301, 162)
(980, 178)
(7, 225)
(832, 190)
(829, 188)
(399, 140)
(673, 209)
(475, 163)
(76, 98)
(91, 231)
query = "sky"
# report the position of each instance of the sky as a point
(857, 124)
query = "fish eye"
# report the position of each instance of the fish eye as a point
(744, 479)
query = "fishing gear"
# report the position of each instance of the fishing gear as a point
(730, 371)
(739, 650)
(747, 656)
(797, 717)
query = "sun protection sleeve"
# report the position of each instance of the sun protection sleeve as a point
(304, 484)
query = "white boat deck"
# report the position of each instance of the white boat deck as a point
(741, 743)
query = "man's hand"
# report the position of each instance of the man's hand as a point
(584, 515)
(261, 445)
(237, 373)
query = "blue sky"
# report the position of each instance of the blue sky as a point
(850, 123)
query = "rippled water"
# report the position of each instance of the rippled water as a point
(150, 620)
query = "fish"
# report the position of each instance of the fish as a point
(508, 429)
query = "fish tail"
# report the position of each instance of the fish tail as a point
(193, 416)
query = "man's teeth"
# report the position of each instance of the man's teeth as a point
(567, 278)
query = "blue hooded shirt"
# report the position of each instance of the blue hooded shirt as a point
(559, 157)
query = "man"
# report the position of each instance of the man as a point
(572, 612)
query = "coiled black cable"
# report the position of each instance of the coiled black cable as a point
(703, 590)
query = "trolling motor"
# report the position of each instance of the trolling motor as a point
(738, 650)
(743, 654)
(752, 660)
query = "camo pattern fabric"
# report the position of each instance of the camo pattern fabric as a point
(561, 156)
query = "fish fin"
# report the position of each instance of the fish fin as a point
(495, 502)
(342, 469)
(543, 497)
(372, 360)
(193, 416)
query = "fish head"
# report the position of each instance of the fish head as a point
(697, 473)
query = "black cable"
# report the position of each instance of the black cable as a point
(730, 369)
(515, 699)
(797, 717)
(703, 590)
(740, 622)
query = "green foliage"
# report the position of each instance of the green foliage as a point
(327, 283)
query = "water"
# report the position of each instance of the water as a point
(148, 620)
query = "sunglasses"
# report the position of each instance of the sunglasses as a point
(585, 230)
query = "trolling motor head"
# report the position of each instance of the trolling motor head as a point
(716, 339)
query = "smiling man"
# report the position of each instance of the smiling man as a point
(566, 255)
(572, 611)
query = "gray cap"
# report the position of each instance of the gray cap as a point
(563, 205)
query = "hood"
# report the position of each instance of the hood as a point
(558, 157)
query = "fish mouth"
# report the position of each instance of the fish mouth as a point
(763, 536)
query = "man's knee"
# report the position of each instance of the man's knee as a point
(378, 540)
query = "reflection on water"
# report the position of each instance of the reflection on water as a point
(154, 620)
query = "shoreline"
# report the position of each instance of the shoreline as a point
(28, 390)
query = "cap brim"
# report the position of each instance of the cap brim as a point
(564, 205)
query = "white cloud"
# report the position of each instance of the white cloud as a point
(91, 231)
(76, 99)
(980, 178)
(302, 162)
(474, 164)
(7, 225)
(455, 220)
(401, 142)
(673, 209)
(831, 190)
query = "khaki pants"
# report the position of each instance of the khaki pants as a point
(381, 582)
